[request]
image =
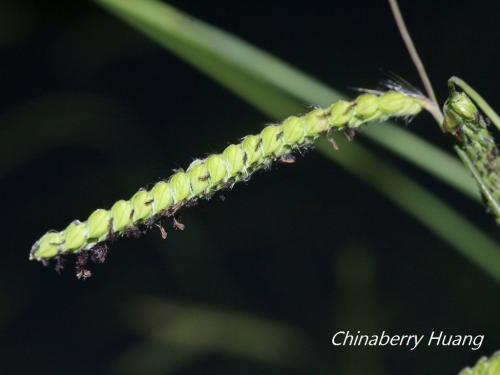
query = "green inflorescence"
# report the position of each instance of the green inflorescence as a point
(485, 366)
(463, 119)
(236, 163)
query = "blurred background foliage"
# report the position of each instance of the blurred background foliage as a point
(92, 109)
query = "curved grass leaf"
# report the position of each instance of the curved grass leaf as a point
(190, 331)
(50, 122)
(243, 69)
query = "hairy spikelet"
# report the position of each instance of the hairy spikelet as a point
(485, 366)
(209, 175)
(467, 124)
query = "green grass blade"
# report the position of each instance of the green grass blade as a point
(243, 69)
(442, 219)
(203, 329)
(219, 55)
(424, 155)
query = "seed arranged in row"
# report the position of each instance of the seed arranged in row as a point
(236, 163)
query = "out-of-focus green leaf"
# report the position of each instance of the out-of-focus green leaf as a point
(243, 69)
(430, 211)
(269, 85)
(50, 122)
(154, 357)
(355, 272)
(195, 330)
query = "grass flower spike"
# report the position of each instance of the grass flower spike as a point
(485, 366)
(476, 144)
(205, 177)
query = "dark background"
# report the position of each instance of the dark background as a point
(90, 110)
